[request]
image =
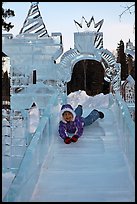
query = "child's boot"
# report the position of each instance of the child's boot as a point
(101, 115)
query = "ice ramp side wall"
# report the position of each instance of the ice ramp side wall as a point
(39, 148)
(126, 131)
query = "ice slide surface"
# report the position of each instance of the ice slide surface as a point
(94, 169)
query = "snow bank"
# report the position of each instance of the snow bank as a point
(93, 102)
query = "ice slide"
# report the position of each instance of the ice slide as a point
(92, 170)
(95, 169)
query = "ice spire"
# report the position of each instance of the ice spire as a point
(33, 22)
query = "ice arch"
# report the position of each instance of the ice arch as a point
(112, 69)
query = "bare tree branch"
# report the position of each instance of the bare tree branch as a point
(127, 8)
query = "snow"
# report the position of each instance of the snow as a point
(130, 52)
(33, 119)
(131, 80)
(92, 102)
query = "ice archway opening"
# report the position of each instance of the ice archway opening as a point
(88, 75)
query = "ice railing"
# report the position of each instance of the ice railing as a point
(28, 171)
(126, 130)
(41, 145)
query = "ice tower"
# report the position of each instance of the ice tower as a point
(33, 49)
(33, 22)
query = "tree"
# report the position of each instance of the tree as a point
(5, 87)
(7, 13)
(131, 65)
(121, 58)
(87, 75)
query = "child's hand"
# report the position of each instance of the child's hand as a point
(74, 138)
(67, 140)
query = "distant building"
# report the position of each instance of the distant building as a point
(130, 54)
(130, 49)
(128, 94)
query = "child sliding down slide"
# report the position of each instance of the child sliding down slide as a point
(72, 123)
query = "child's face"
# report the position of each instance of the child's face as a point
(67, 116)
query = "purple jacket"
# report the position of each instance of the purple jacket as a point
(70, 128)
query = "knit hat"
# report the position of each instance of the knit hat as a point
(67, 107)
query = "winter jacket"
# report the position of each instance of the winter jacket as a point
(71, 128)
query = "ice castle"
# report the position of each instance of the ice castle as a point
(39, 72)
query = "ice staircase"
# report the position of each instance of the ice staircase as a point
(95, 169)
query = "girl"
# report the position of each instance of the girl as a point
(72, 123)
